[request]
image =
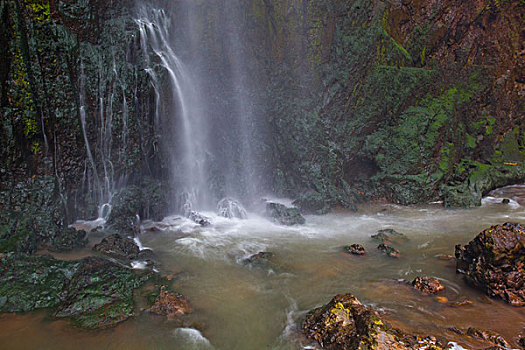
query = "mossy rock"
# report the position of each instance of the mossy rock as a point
(93, 292)
(345, 323)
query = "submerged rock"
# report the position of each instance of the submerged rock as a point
(355, 249)
(93, 292)
(345, 323)
(428, 285)
(231, 208)
(261, 259)
(170, 304)
(389, 236)
(494, 261)
(390, 251)
(283, 215)
(489, 336)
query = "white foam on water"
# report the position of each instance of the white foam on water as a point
(139, 265)
(489, 200)
(193, 337)
(139, 244)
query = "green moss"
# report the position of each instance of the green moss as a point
(40, 8)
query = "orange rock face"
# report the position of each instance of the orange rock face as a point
(170, 304)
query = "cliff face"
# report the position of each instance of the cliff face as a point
(76, 114)
(411, 101)
(76, 104)
(414, 101)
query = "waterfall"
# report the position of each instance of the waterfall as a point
(202, 87)
(187, 155)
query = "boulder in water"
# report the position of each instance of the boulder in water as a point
(94, 292)
(345, 323)
(355, 249)
(231, 208)
(489, 336)
(260, 259)
(389, 251)
(283, 215)
(170, 304)
(118, 247)
(494, 261)
(389, 236)
(428, 285)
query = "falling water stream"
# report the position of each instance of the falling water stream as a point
(242, 307)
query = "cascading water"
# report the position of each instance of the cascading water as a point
(204, 103)
(188, 167)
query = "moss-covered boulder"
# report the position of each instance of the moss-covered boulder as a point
(389, 236)
(93, 292)
(118, 247)
(345, 323)
(494, 261)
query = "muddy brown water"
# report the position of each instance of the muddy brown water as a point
(238, 307)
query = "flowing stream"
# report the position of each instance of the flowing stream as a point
(242, 307)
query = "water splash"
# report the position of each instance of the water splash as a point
(231, 208)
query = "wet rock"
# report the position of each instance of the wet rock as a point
(389, 251)
(389, 236)
(149, 257)
(199, 219)
(494, 261)
(489, 336)
(428, 285)
(231, 208)
(118, 247)
(283, 215)
(261, 259)
(521, 341)
(93, 292)
(345, 323)
(147, 200)
(312, 202)
(170, 304)
(68, 239)
(355, 249)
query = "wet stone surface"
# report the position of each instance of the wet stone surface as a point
(170, 304)
(345, 323)
(355, 249)
(428, 285)
(494, 262)
(389, 251)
